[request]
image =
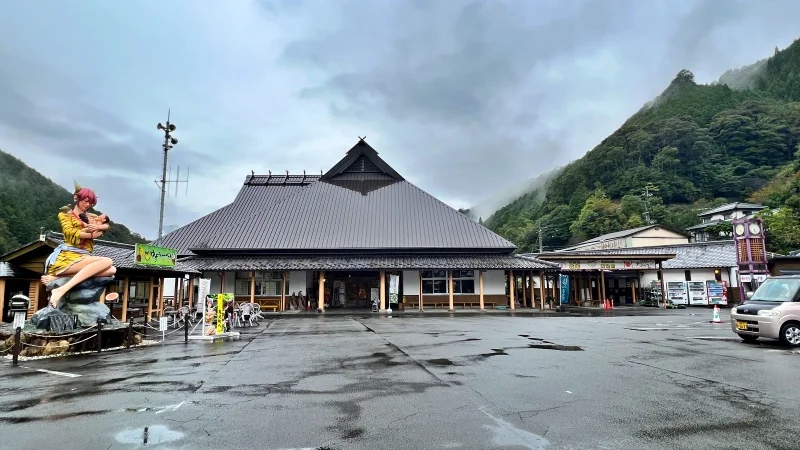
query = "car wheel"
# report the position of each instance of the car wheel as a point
(748, 337)
(790, 334)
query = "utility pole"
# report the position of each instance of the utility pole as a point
(647, 188)
(169, 142)
(540, 235)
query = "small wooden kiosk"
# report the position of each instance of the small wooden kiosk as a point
(140, 283)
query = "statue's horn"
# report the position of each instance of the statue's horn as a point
(77, 187)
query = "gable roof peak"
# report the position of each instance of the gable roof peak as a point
(362, 158)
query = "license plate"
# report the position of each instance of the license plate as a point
(741, 325)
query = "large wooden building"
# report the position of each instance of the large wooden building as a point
(339, 239)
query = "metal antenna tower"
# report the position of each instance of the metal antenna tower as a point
(169, 142)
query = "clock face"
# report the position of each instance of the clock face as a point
(754, 228)
(740, 229)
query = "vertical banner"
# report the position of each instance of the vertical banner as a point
(203, 286)
(564, 289)
(394, 288)
(220, 313)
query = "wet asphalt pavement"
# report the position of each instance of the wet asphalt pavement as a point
(462, 382)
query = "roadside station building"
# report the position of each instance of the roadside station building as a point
(682, 272)
(356, 234)
(139, 286)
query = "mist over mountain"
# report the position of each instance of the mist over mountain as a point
(694, 146)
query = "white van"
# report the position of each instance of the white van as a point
(772, 312)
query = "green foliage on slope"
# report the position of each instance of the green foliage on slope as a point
(29, 202)
(698, 145)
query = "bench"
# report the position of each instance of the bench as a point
(446, 305)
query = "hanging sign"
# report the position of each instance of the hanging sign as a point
(394, 288)
(608, 265)
(564, 289)
(150, 255)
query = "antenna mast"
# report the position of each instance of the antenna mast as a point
(169, 142)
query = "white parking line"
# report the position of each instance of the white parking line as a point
(54, 372)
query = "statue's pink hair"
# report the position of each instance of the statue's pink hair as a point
(86, 194)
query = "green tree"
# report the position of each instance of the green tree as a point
(598, 216)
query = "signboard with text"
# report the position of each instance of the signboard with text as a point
(564, 289)
(151, 255)
(608, 265)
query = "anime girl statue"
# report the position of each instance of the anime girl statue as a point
(74, 257)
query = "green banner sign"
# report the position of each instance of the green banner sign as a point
(150, 255)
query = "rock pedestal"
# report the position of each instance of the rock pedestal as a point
(82, 301)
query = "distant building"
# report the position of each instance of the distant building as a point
(720, 215)
(647, 236)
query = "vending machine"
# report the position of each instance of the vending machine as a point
(697, 293)
(676, 293)
(717, 292)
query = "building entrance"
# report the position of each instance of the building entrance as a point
(353, 289)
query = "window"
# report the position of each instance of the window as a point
(267, 283)
(435, 282)
(463, 282)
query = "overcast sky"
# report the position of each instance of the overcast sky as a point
(461, 97)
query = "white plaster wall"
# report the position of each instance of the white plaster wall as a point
(216, 282)
(494, 282)
(297, 281)
(410, 282)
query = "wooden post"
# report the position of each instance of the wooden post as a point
(181, 291)
(222, 283)
(161, 296)
(661, 282)
(602, 286)
(283, 291)
(252, 286)
(420, 290)
(383, 291)
(177, 302)
(125, 291)
(150, 299)
(480, 287)
(321, 292)
(541, 287)
(524, 278)
(633, 290)
(2, 298)
(450, 287)
(190, 286)
(512, 285)
(33, 295)
(533, 292)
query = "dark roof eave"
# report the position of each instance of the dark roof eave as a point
(561, 256)
(349, 251)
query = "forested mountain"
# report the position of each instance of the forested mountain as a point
(693, 147)
(29, 201)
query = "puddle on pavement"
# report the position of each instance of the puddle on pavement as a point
(441, 362)
(495, 352)
(565, 348)
(507, 435)
(471, 339)
(52, 417)
(157, 434)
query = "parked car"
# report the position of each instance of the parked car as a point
(772, 312)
